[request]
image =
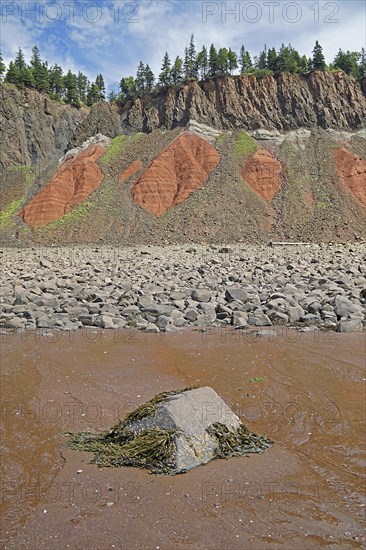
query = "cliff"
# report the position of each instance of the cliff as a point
(290, 152)
(288, 102)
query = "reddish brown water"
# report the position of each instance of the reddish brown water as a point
(307, 491)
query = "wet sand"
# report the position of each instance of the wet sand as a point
(307, 491)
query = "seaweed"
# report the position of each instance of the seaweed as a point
(237, 443)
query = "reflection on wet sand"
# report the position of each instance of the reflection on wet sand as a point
(304, 391)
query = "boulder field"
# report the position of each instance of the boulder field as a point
(76, 178)
(177, 172)
(156, 289)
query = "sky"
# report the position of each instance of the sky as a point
(112, 37)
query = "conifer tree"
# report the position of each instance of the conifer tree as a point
(82, 84)
(245, 61)
(127, 88)
(40, 72)
(99, 82)
(56, 77)
(12, 75)
(223, 61)
(93, 94)
(232, 61)
(262, 60)
(213, 61)
(140, 78)
(165, 76)
(149, 78)
(71, 89)
(318, 58)
(191, 68)
(272, 59)
(202, 63)
(177, 71)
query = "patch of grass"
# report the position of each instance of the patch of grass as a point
(11, 210)
(222, 138)
(115, 148)
(258, 379)
(287, 146)
(244, 144)
(321, 205)
(26, 174)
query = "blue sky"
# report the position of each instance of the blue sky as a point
(111, 37)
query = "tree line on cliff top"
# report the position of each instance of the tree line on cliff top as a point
(77, 89)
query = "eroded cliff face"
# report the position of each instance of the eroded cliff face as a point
(328, 100)
(34, 130)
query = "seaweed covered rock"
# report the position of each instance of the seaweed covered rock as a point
(173, 433)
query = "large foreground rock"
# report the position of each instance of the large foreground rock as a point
(191, 413)
(173, 433)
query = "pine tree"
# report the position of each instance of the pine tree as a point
(232, 61)
(165, 76)
(347, 62)
(27, 78)
(191, 68)
(149, 78)
(304, 67)
(186, 64)
(176, 71)
(223, 61)
(99, 82)
(245, 60)
(12, 75)
(82, 84)
(2, 67)
(128, 88)
(19, 62)
(262, 60)
(56, 77)
(213, 61)
(22, 74)
(140, 77)
(202, 62)
(40, 72)
(272, 59)
(318, 58)
(71, 89)
(93, 94)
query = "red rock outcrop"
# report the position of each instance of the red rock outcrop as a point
(134, 167)
(352, 171)
(183, 167)
(74, 181)
(262, 172)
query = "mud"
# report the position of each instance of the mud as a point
(305, 391)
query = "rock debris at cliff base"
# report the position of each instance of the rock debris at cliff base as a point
(164, 289)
